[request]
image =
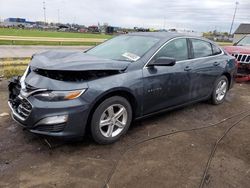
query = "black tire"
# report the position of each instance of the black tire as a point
(95, 130)
(214, 98)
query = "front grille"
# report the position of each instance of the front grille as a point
(50, 128)
(242, 58)
(22, 107)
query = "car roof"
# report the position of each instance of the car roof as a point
(165, 36)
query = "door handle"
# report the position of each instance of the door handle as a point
(216, 63)
(187, 68)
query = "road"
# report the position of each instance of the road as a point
(15, 38)
(9, 51)
(177, 160)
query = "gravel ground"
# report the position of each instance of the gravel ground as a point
(177, 160)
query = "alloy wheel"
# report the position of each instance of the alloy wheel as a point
(113, 120)
(221, 90)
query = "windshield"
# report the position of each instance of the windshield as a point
(128, 48)
(244, 42)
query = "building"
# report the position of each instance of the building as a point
(14, 22)
(241, 31)
(17, 22)
(93, 29)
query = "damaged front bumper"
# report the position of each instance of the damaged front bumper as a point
(60, 119)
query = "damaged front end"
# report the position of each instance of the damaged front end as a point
(49, 101)
(38, 82)
(18, 94)
(20, 107)
(45, 111)
(48, 98)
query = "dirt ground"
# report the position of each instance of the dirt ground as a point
(177, 160)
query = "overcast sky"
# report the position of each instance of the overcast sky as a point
(199, 15)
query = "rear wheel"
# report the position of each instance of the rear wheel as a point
(111, 120)
(220, 90)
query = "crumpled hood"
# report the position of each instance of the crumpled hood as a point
(57, 70)
(74, 61)
(237, 49)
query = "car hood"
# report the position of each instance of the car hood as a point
(74, 61)
(237, 49)
(54, 70)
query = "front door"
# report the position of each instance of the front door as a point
(166, 86)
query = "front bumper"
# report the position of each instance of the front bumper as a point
(76, 111)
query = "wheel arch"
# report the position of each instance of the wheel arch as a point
(229, 78)
(123, 92)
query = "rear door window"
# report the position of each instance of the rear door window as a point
(201, 48)
(216, 50)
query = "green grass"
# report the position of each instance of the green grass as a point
(57, 43)
(14, 62)
(39, 33)
(49, 43)
(10, 71)
(225, 43)
(13, 67)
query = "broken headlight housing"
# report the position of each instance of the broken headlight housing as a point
(59, 95)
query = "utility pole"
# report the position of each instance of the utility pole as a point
(58, 15)
(44, 12)
(164, 23)
(236, 6)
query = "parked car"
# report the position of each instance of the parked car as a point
(126, 78)
(241, 51)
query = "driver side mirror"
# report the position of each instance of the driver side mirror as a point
(163, 61)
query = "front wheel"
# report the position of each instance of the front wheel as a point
(220, 90)
(111, 120)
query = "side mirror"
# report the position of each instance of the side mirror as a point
(163, 61)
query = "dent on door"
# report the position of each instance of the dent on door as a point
(203, 75)
(165, 86)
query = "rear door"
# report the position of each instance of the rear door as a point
(166, 86)
(205, 68)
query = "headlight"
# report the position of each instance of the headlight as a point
(59, 95)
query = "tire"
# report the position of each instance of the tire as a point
(107, 125)
(219, 95)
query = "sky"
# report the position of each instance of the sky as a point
(197, 15)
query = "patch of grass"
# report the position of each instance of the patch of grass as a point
(13, 67)
(10, 71)
(40, 33)
(224, 43)
(48, 43)
(14, 62)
